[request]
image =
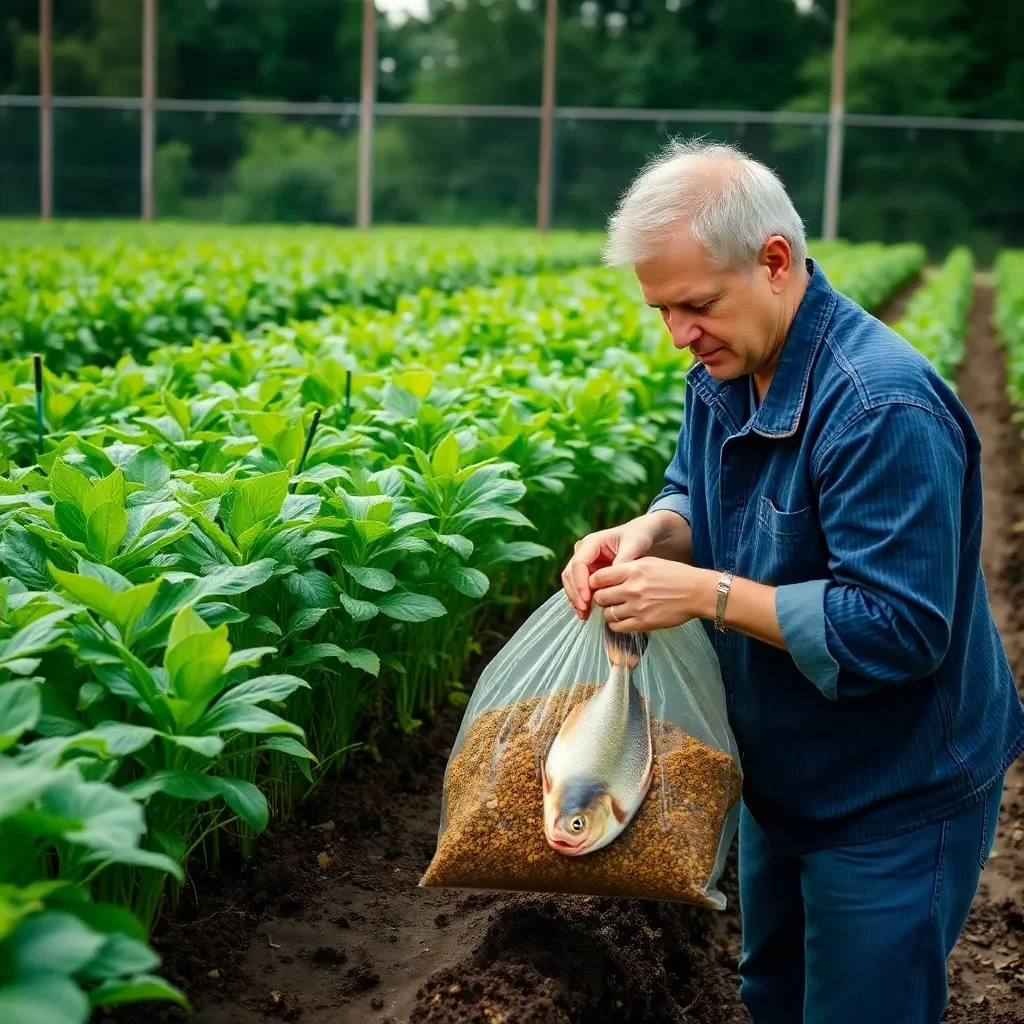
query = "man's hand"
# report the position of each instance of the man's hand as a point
(657, 593)
(652, 593)
(660, 533)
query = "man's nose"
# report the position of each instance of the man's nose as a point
(684, 330)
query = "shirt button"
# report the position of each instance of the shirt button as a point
(739, 501)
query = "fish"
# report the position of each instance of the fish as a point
(599, 767)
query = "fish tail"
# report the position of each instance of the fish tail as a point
(624, 649)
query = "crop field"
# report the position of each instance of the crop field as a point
(269, 501)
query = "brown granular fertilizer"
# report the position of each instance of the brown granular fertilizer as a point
(493, 835)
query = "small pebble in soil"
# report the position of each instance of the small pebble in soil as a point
(377, 1003)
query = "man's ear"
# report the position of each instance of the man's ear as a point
(776, 257)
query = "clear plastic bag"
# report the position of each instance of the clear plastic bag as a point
(595, 763)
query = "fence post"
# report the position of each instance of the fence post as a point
(836, 113)
(547, 116)
(148, 104)
(46, 109)
(367, 99)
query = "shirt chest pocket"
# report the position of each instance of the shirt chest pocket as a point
(784, 546)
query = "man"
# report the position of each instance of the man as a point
(822, 515)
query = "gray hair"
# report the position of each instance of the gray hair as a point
(730, 202)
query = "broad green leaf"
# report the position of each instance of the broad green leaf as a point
(208, 746)
(120, 956)
(462, 546)
(108, 490)
(53, 942)
(39, 635)
(105, 918)
(445, 461)
(303, 619)
(405, 544)
(257, 501)
(52, 998)
(248, 658)
(141, 989)
(88, 590)
(267, 625)
(241, 717)
(68, 484)
(516, 551)
(105, 529)
(287, 745)
(113, 579)
(132, 604)
(195, 658)
(71, 520)
(411, 607)
(178, 409)
(179, 784)
(253, 691)
(418, 382)
(88, 695)
(25, 555)
(310, 654)
(360, 611)
(360, 657)
(146, 467)
(407, 519)
(371, 578)
(311, 588)
(244, 799)
(233, 579)
(121, 738)
(19, 711)
(465, 580)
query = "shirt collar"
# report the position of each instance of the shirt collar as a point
(779, 413)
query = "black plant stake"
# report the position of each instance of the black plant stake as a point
(309, 441)
(37, 364)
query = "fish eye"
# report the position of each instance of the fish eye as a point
(578, 824)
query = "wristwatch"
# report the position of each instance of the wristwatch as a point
(723, 592)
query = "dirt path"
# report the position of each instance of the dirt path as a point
(326, 924)
(987, 968)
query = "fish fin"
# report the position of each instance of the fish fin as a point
(544, 776)
(620, 814)
(571, 720)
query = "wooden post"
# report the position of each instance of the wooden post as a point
(547, 116)
(367, 98)
(46, 109)
(836, 112)
(148, 104)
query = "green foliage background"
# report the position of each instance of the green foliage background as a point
(944, 58)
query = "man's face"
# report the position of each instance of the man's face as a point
(731, 323)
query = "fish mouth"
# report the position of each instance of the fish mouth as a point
(565, 846)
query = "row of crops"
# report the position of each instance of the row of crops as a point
(206, 603)
(84, 295)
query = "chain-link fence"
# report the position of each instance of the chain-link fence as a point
(365, 159)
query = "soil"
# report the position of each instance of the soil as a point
(326, 922)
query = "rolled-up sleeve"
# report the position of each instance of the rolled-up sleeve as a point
(675, 492)
(889, 502)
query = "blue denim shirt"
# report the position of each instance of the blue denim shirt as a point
(855, 489)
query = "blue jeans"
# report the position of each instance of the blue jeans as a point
(859, 934)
